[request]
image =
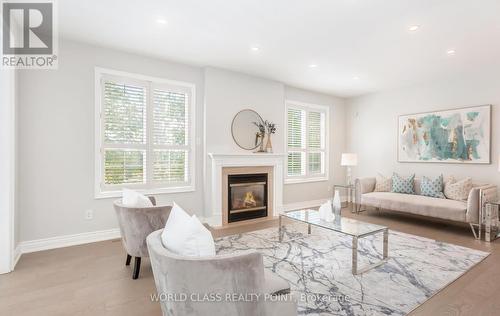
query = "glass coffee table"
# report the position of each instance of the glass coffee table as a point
(347, 226)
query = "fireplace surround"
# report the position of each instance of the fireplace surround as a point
(223, 165)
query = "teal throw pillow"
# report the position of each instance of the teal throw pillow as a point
(432, 187)
(402, 185)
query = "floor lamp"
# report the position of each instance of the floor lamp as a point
(349, 160)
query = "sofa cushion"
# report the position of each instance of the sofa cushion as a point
(402, 185)
(458, 190)
(432, 187)
(383, 184)
(417, 204)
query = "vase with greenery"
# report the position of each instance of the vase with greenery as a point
(259, 136)
(270, 128)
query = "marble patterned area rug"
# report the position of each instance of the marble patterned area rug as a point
(318, 268)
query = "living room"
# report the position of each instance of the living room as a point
(349, 159)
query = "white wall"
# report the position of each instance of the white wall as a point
(372, 122)
(295, 193)
(227, 93)
(56, 140)
(7, 168)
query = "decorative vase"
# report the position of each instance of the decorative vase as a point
(269, 145)
(336, 204)
(326, 211)
(261, 148)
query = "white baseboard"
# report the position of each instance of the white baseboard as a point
(102, 235)
(67, 240)
(302, 205)
(17, 256)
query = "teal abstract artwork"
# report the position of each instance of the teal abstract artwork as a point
(454, 136)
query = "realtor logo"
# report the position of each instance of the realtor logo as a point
(29, 38)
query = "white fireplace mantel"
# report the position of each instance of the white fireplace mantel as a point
(219, 161)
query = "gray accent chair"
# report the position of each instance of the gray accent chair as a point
(220, 275)
(135, 225)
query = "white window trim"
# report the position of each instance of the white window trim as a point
(98, 191)
(308, 178)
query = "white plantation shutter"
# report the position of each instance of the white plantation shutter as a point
(170, 136)
(315, 134)
(296, 162)
(171, 118)
(124, 115)
(295, 127)
(296, 141)
(124, 166)
(315, 162)
(145, 134)
(170, 165)
(316, 141)
(306, 141)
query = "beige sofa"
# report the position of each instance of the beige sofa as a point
(459, 211)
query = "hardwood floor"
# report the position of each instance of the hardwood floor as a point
(92, 279)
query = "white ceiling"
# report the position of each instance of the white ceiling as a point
(344, 38)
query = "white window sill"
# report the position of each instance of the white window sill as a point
(305, 180)
(118, 193)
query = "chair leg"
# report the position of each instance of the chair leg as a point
(137, 268)
(127, 262)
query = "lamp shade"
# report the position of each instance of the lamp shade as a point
(349, 159)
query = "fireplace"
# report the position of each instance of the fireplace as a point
(247, 196)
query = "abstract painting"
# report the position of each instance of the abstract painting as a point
(452, 136)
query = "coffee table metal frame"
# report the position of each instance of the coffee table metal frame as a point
(355, 240)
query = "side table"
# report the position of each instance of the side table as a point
(490, 219)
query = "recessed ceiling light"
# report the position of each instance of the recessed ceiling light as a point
(255, 48)
(413, 28)
(161, 21)
(355, 78)
(450, 52)
(313, 66)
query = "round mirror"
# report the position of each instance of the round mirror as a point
(245, 131)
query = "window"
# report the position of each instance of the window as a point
(307, 152)
(144, 132)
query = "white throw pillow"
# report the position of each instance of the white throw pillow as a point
(457, 190)
(186, 236)
(383, 184)
(131, 198)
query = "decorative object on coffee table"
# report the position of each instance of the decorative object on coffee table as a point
(326, 211)
(453, 136)
(349, 160)
(337, 205)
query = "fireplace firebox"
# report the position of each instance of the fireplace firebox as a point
(247, 196)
